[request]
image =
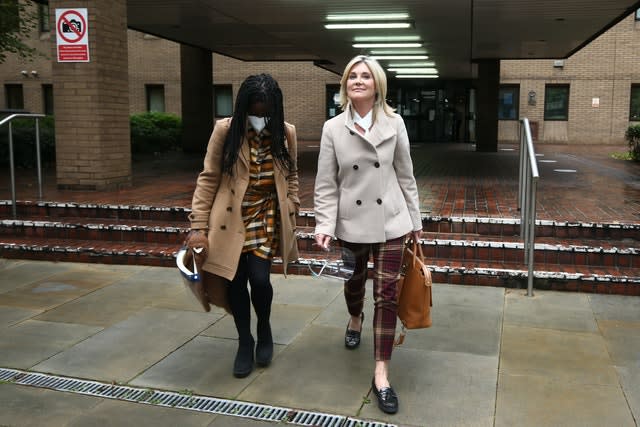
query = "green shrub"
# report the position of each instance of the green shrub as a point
(24, 142)
(155, 133)
(633, 138)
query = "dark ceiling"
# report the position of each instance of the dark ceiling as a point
(454, 33)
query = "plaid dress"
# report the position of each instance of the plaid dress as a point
(259, 206)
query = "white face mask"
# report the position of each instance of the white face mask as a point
(257, 123)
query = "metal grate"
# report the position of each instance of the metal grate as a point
(186, 401)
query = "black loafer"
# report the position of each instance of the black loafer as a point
(387, 398)
(351, 337)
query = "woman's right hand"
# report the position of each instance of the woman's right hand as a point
(323, 240)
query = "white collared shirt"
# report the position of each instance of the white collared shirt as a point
(363, 122)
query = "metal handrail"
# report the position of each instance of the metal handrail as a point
(527, 188)
(8, 120)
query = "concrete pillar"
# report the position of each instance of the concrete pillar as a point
(487, 85)
(196, 70)
(91, 101)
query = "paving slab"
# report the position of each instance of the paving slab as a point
(630, 381)
(125, 349)
(287, 322)
(35, 407)
(118, 301)
(615, 307)
(16, 274)
(568, 357)
(12, 315)
(465, 320)
(335, 314)
(26, 344)
(203, 365)
(316, 372)
(549, 309)
(623, 341)
(534, 401)
(120, 414)
(438, 388)
(304, 290)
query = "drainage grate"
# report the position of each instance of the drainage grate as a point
(186, 401)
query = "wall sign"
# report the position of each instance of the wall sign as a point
(72, 35)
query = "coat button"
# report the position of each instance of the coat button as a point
(223, 227)
(351, 132)
(379, 201)
(229, 209)
(233, 191)
(376, 164)
(355, 167)
(358, 202)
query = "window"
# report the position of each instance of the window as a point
(43, 18)
(223, 101)
(556, 102)
(14, 97)
(508, 102)
(634, 109)
(10, 16)
(155, 98)
(47, 99)
(637, 14)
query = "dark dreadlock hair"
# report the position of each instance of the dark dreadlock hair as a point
(257, 88)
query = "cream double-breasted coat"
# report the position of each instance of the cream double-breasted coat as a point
(217, 203)
(365, 191)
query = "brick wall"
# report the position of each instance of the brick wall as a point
(604, 69)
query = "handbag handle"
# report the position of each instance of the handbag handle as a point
(417, 251)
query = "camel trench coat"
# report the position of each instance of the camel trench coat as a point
(365, 191)
(217, 203)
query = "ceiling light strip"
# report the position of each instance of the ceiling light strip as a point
(367, 25)
(368, 17)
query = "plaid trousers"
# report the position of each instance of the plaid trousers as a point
(387, 260)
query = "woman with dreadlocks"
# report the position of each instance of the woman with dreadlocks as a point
(244, 210)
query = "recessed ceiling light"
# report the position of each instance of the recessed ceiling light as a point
(382, 39)
(413, 64)
(367, 25)
(417, 76)
(414, 70)
(398, 52)
(398, 57)
(367, 17)
(371, 45)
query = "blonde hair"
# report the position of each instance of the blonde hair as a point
(379, 78)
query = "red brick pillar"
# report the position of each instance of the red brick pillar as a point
(91, 102)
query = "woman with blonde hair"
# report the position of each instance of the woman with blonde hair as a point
(366, 196)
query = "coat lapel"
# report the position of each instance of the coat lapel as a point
(381, 130)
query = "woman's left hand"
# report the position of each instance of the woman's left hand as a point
(416, 235)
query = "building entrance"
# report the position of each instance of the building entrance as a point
(442, 113)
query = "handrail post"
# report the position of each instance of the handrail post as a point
(13, 174)
(11, 161)
(527, 198)
(38, 161)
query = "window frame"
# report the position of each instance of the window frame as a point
(9, 96)
(47, 99)
(515, 88)
(222, 89)
(44, 19)
(547, 88)
(149, 89)
(635, 87)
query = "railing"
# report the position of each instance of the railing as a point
(527, 197)
(11, 161)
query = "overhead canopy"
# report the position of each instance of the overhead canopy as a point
(454, 33)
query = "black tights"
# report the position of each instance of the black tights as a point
(256, 271)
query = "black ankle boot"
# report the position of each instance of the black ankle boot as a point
(243, 365)
(264, 349)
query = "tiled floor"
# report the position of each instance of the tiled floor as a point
(577, 183)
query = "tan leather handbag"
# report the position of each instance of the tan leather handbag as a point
(414, 291)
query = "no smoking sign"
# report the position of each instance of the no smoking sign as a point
(72, 35)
